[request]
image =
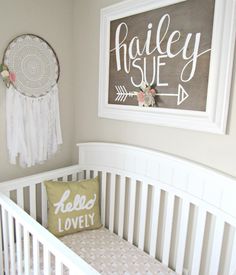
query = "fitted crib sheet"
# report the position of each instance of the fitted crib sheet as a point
(109, 254)
(105, 252)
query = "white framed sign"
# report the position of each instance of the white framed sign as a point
(167, 62)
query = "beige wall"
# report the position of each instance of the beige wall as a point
(53, 21)
(77, 45)
(217, 151)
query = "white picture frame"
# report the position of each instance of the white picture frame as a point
(214, 119)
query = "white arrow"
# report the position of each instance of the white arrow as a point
(182, 95)
(122, 94)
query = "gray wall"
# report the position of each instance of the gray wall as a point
(217, 151)
(53, 21)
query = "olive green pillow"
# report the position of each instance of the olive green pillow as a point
(73, 206)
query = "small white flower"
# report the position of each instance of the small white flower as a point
(149, 101)
(143, 86)
(5, 74)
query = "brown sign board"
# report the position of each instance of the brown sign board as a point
(169, 47)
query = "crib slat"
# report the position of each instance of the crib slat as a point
(81, 175)
(44, 205)
(5, 240)
(19, 247)
(12, 245)
(87, 174)
(74, 176)
(1, 247)
(33, 201)
(58, 267)
(131, 210)
(72, 271)
(36, 255)
(46, 261)
(156, 195)
(20, 197)
(168, 228)
(182, 236)
(216, 248)
(95, 173)
(26, 252)
(232, 266)
(143, 212)
(112, 202)
(121, 206)
(103, 197)
(197, 251)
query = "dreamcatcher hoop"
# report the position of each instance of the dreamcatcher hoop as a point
(35, 64)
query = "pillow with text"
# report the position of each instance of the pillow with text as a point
(73, 206)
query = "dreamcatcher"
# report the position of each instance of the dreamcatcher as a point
(30, 70)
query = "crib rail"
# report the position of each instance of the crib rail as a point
(30, 193)
(180, 213)
(176, 212)
(24, 240)
(27, 247)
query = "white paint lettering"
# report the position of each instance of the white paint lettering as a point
(159, 64)
(79, 203)
(67, 224)
(91, 216)
(130, 52)
(60, 226)
(79, 222)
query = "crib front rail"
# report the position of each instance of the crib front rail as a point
(30, 193)
(28, 248)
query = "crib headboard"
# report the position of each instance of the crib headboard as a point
(182, 213)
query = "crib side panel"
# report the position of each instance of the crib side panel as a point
(28, 248)
(181, 213)
(30, 193)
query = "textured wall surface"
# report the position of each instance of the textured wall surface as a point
(217, 151)
(53, 21)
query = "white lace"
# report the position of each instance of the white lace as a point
(33, 127)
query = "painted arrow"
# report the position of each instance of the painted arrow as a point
(122, 94)
(182, 95)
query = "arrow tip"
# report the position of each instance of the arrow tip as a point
(182, 94)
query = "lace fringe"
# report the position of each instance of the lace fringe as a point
(33, 127)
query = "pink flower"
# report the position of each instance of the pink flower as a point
(140, 97)
(12, 77)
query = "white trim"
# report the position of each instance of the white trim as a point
(215, 118)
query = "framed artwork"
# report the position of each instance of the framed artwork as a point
(167, 62)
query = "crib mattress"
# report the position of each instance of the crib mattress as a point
(109, 254)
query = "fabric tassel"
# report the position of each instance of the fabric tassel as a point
(33, 127)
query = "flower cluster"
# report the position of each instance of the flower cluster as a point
(146, 95)
(7, 76)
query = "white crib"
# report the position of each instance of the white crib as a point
(177, 211)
